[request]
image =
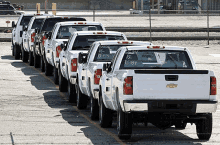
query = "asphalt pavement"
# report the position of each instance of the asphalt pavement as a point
(33, 111)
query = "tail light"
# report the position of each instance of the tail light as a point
(128, 86)
(97, 76)
(43, 40)
(213, 86)
(32, 37)
(74, 65)
(58, 50)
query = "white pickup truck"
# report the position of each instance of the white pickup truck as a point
(90, 68)
(156, 84)
(60, 35)
(28, 37)
(17, 33)
(79, 42)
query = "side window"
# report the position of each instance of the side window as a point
(115, 59)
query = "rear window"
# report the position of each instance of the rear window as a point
(37, 23)
(65, 32)
(25, 20)
(105, 53)
(84, 42)
(157, 59)
(49, 23)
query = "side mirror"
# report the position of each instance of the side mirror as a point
(25, 28)
(49, 35)
(104, 67)
(80, 58)
(108, 67)
(64, 46)
(36, 30)
(13, 24)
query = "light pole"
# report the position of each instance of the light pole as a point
(208, 19)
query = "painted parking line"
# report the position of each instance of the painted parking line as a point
(215, 55)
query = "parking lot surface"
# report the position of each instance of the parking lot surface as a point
(33, 111)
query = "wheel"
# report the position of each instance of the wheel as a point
(62, 83)
(71, 92)
(31, 58)
(24, 55)
(36, 61)
(180, 125)
(42, 64)
(55, 75)
(105, 115)
(81, 100)
(17, 52)
(94, 109)
(124, 124)
(204, 127)
(48, 68)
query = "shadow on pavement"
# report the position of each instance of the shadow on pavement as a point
(70, 115)
(8, 57)
(141, 135)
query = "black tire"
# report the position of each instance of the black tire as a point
(180, 125)
(36, 61)
(62, 83)
(81, 99)
(24, 55)
(94, 109)
(13, 54)
(204, 127)
(124, 124)
(71, 92)
(48, 69)
(55, 75)
(105, 115)
(42, 64)
(31, 58)
(17, 52)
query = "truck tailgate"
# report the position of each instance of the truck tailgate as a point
(171, 84)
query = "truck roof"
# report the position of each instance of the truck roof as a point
(78, 23)
(120, 42)
(155, 47)
(37, 15)
(41, 17)
(98, 33)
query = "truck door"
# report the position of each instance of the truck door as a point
(109, 77)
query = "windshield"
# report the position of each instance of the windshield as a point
(65, 32)
(37, 23)
(84, 42)
(25, 20)
(49, 23)
(149, 59)
(106, 52)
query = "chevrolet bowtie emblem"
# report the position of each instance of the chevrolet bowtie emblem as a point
(171, 85)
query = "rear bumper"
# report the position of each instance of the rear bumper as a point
(170, 106)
